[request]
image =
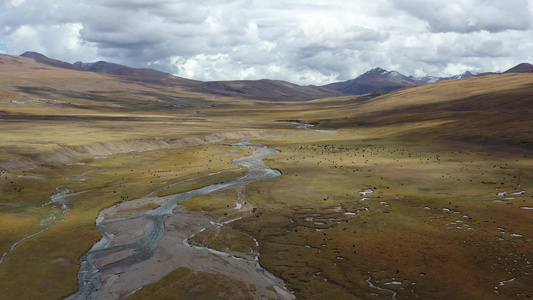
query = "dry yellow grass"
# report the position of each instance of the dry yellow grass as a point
(435, 156)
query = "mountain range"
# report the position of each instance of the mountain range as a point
(382, 80)
(265, 89)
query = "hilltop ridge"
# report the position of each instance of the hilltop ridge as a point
(521, 68)
(374, 80)
(264, 89)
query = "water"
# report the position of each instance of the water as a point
(144, 248)
(59, 198)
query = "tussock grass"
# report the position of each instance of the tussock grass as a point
(216, 201)
(185, 283)
(221, 207)
(429, 203)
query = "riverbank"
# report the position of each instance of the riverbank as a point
(140, 246)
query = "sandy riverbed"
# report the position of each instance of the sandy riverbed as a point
(127, 222)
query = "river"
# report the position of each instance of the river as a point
(132, 247)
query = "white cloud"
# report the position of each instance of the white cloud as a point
(303, 41)
(470, 15)
(15, 3)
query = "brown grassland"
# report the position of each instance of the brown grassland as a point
(425, 192)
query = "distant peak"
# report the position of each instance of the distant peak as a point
(521, 68)
(384, 74)
(378, 70)
(525, 65)
(38, 57)
(31, 54)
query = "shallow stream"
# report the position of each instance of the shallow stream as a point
(142, 249)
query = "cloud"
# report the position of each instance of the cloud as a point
(303, 41)
(470, 15)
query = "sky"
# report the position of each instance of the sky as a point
(301, 41)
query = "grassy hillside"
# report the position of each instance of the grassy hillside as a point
(490, 110)
(423, 193)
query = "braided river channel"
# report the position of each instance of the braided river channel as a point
(119, 265)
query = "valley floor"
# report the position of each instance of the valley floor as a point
(421, 193)
(350, 217)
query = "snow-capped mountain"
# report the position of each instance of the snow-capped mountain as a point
(382, 80)
(431, 79)
(374, 80)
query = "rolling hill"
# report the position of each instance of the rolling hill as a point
(521, 68)
(481, 111)
(418, 193)
(372, 81)
(49, 61)
(266, 89)
(251, 89)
